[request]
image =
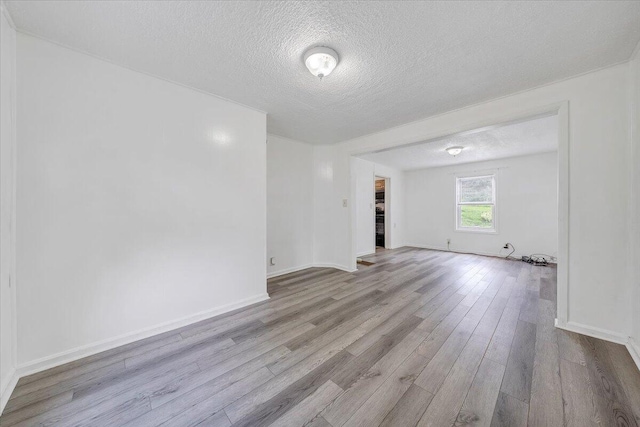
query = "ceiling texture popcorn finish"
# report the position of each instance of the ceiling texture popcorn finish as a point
(399, 61)
(496, 142)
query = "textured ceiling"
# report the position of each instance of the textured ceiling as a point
(400, 61)
(518, 139)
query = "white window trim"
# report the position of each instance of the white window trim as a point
(457, 204)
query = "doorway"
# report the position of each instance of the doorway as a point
(380, 205)
(381, 212)
(443, 131)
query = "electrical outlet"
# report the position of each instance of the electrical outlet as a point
(272, 260)
(448, 241)
(344, 203)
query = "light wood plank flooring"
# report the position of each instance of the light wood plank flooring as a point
(420, 338)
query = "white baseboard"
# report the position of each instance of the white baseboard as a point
(365, 253)
(288, 270)
(592, 331)
(634, 350)
(444, 249)
(398, 246)
(336, 266)
(606, 335)
(464, 251)
(108, 344)
(7, 388)
(303, 267)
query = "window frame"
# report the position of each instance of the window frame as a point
(458, 204)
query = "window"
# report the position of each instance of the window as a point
(476, 203)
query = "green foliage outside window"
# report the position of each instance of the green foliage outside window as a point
(476, 216)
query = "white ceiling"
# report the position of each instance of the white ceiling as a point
(518, 139)
(400, 61)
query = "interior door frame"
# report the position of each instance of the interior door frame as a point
(387, 209)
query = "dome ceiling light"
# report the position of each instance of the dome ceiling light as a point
(321, 61)
(454, 151)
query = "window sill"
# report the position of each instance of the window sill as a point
(476, 231)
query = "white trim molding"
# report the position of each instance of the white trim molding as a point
(365, 253)
(336, 266)
(135, 70)
(304, 267)
(444, 249)
(606, 335)
(288, 271)
(108, 344)
(562, 259)
(462, 251)
(634, 351)
(592, 331)
(7, 15)
(7, 389)
(636, 52)
(11, 377)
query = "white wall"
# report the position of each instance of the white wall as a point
(364, 175)
(526, 207)
(141, 204)
(289, 205)
(327, 204)
(7, 212)
(599, 133)
(635, 203)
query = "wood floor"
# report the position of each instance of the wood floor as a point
(419, 338)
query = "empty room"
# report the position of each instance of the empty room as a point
(327, 214)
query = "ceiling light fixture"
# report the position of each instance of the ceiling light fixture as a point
(321, 61)
(454, 151)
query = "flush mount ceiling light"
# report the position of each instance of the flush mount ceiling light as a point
(321, 61)
(454, 151)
